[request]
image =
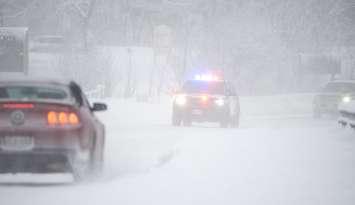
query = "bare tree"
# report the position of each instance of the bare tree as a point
(14, 9)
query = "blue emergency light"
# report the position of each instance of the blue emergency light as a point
(206, 77)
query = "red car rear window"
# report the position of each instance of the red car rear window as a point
(32, 93)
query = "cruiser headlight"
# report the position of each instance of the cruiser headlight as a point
(220, 102)
(180, 100)
(346, 99)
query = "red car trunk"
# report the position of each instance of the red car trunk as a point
(31, 120)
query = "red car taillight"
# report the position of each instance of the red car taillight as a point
(52, 118)
(62, 118)
(73, 119)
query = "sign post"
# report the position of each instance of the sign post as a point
(13, 50)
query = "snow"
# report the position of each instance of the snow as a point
(278, 106)
(278, 156)
(33, 179)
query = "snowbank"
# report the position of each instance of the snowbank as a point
(292, 105)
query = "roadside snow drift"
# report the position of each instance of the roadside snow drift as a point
(288, 159)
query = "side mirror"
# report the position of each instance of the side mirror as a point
(99, 107)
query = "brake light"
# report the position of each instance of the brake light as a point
(18, 106)
(52, 118)
(62, 118)
(73, 119)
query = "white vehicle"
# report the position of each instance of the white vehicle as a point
(331, 96)
(347, 114)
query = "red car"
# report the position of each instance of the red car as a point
(48, 126)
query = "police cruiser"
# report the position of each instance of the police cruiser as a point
(206, 98)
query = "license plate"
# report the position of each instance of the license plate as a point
(17, 143)
(197, 112)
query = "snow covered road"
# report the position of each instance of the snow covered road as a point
(274, 158)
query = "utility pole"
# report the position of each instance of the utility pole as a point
(86, 22)
(186, 46)
(128, 90)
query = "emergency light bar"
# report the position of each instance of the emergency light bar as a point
(207, 77)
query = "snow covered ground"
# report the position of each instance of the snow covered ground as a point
(280, 155)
